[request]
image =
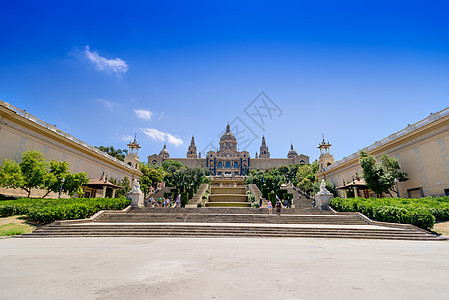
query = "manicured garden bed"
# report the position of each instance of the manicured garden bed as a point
(49, 210)
(422, 212)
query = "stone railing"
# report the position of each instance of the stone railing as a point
(410, 128)
(53, 128)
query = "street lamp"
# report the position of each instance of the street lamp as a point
(60, 188)
(397, 187)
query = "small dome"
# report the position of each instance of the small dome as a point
(164, 152)
(292, 153)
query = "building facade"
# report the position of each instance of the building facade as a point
(21, 131)
(228, 160)
(422, 149)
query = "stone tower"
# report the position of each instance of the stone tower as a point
(164, 153)
(292, 153)
(326, 159)
(191, 152)
(264, 153)
(131, 158)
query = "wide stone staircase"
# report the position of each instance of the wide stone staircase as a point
(227, 223)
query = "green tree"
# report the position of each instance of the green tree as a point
(74, 182)
(11, 175)
(53, 180)
(171, 166)
(117, 153)
(34, 171)
(305, 178)
(151, 176)
(379, 177)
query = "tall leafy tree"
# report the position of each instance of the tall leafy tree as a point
(379, 176)
(151, 176)
(117, 153)
(34, 171)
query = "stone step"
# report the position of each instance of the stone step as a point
(205, 229)
(224, 203)
(229, 210)
(220, 218)
(233, 234)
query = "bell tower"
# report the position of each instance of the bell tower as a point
(326, 159)
(264, 153)
(131, 158)
(191, 152)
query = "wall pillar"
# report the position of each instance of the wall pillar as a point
(113, 193)
(103, 194)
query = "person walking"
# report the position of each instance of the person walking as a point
(178, 201)
(270, 208)
(278, 207)
(260, 202)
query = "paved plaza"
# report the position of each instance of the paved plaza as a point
(239, 268)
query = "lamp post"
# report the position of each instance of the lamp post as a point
(397, 186)
(60, 188)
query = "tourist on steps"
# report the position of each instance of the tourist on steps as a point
(278, 207)
(178, 201)
(270, 208)
(260, 202)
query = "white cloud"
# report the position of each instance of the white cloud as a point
(162, 136)
(109, 104)
(115, 65)
(143, 114)
(127, 138)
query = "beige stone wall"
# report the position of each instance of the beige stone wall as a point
(20, 132)
(422, 150)
(261, 163)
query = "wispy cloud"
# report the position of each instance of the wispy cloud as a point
(114, 65)
(143, 114)
(127, 138)
(161, 115)
(158, 135)
(109, 104)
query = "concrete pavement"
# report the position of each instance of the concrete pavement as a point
(140, 268)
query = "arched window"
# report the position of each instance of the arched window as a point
(328, 164)
(228, 164)
(154, 162)
(302, 162)
(236, 165)
(220, 164)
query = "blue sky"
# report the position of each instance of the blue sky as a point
(103, 71)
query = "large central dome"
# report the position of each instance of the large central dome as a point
(228, 142)
(228, 135)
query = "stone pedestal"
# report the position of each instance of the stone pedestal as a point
(322, 200)
(136, 197)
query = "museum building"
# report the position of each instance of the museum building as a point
(227, 160)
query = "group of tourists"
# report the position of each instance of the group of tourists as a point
(161, 202)
(278, 205)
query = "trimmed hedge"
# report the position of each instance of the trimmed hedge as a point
(49, 210)
(272, 198)
(422, 212)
